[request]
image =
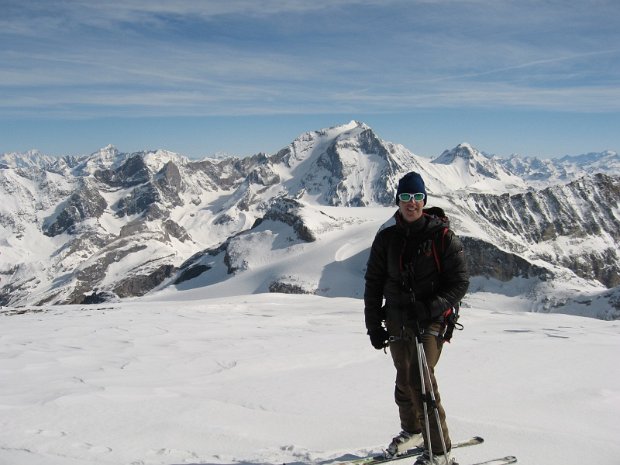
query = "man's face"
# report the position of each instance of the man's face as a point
(412, 210)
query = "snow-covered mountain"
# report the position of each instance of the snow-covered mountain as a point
(543, 172)
(464, 168)
(113, 225)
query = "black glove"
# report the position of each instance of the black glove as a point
(378, 337)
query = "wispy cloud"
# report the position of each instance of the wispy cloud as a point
(157, 57)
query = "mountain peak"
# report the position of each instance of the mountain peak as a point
(107, 151)
(343, 130)
(31, 158)
(463, 151)
(353, 124)
(589, 158)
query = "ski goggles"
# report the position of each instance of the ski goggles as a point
(418, 197)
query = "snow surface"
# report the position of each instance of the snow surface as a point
(274, 378)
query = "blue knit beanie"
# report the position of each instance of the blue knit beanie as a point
(411, 183)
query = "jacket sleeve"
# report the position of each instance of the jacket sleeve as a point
(453, 277)
(376, 272)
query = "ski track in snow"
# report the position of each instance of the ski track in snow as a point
(270, 379)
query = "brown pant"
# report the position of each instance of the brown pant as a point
(408, 391)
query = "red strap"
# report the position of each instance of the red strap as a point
(437, 262)
(443, 247)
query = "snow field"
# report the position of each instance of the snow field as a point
(272, 378)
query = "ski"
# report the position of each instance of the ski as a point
(410, 453)
(501, 461)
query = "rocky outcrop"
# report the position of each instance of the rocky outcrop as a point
(139, 285)
(287, 211)
(140, 199)
(288, 288)
(168, 181)
(486, 259)
(582, 211)
(190, 273)
(132, 172)
(577, 209)
(264, 175)
(86, 202)
(164, 188)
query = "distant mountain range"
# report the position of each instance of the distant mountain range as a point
(112, 225)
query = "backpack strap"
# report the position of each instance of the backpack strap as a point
(449, 317)
(443, 247)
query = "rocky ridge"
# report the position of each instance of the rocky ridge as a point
(113, 225)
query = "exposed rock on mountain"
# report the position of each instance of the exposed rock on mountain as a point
(131, 173)
(112, 224)
(579, 214)
(139, 285)
(84, 203)
(485, 259)
(287, 211)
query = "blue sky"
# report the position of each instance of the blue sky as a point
(534, 77)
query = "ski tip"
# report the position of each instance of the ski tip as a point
(505, 460)
(509, 459)
(479, 439)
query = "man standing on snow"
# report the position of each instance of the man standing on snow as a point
(417, 264)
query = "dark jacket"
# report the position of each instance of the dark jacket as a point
(402, 269)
